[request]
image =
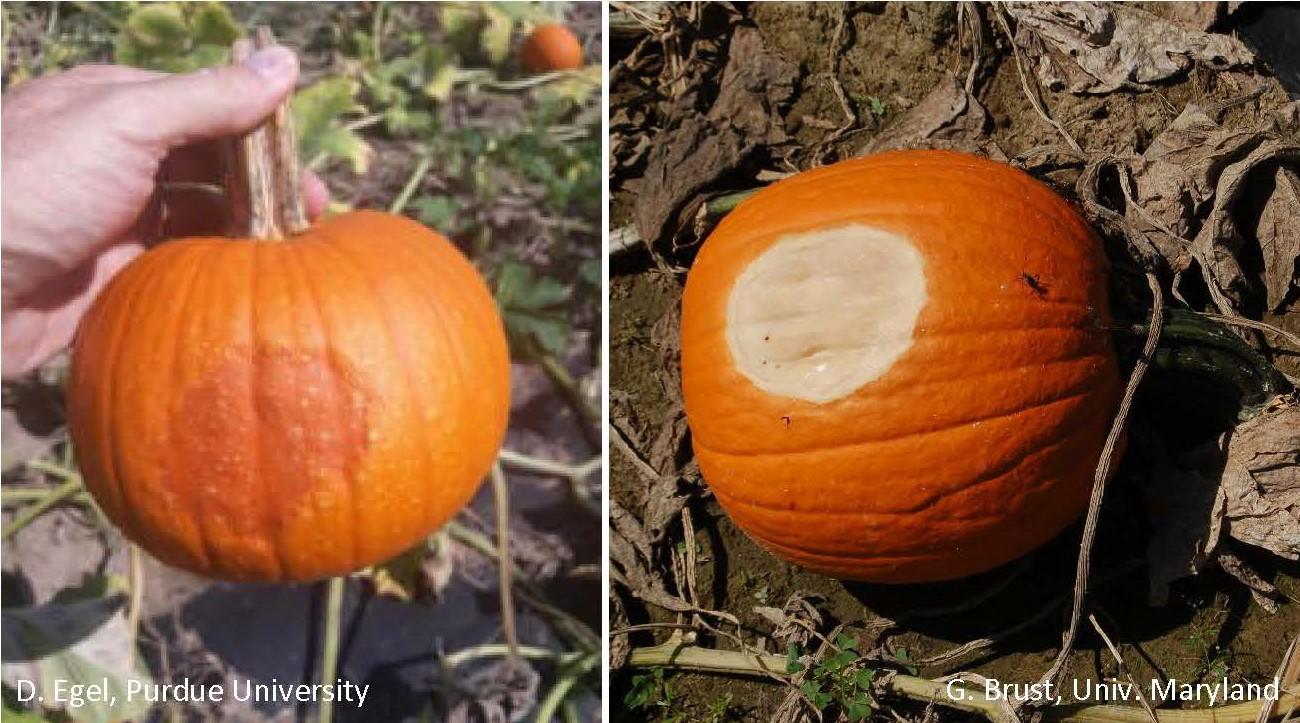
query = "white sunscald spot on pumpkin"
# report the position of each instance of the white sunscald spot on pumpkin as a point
(819, 314)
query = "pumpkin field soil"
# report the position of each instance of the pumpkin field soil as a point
(672, 541)
(525, 211)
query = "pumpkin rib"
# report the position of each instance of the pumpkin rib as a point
(104, 396)
(1073, 393)
(320, 300)
(210, 283)
(446, 337)
(466, 286)
(336, 245)
(113, 426)
(184, 300)
(1038, 447)
(376, 295)
(1032, 454)
(356, 494)
(259, 482)
(297, 268)
(925, 217)
(329, 243)
(834, 172)
(437, 274)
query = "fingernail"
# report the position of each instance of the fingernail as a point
(272, 63)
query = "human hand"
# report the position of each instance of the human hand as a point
(89, 156)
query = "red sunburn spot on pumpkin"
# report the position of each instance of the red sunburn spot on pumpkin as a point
(261, 434)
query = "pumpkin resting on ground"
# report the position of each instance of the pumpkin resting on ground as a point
(898, 368)
(290, 409)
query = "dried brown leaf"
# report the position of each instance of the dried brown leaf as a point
(699, 149)
(1175, 179)
(756, 84)
(33, 416)
(1261, 590)
(796, 621)
(504, 691)
(1261, 481)
(947, 117)
(1091, 47)
(1278, 232)
(1220, 244)
(1196, 15)
(620, 646)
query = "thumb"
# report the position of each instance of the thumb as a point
(216, 102)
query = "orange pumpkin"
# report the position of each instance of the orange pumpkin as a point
(289, 410)
(897, 368)
(289, 406)
(551, 46)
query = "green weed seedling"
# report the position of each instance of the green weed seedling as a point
(652, 693)
(722, 710)
(839, 679)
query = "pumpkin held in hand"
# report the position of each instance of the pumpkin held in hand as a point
(551, 46)
(267, 408)
(897, 368)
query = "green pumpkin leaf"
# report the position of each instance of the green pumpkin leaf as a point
(441, 82)
(534, 307)
(157, 28)
(461, 26)
(572, 89)
(437, 212)
(82, 641)
(212, 24)
(317, 110)
(496, 34)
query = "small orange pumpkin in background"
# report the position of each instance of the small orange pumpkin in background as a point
(897, 368)
(289, 408)
(551, 46)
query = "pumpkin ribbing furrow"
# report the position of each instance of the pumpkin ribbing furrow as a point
(390, 472)
(868, 544)
(453, 332)
(324, 330)
(103, 475)
(193, 265)
(926, 467)
(841, 190)
(370, 498)
(1025, 389)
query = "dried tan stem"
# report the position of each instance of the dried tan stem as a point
(265, 178)
(1104, 465)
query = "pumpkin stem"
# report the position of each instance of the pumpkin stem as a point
(265, 179)
(1198, 348)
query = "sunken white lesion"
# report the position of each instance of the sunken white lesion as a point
(819, 314)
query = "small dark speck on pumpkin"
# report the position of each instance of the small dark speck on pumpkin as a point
(786, 420)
